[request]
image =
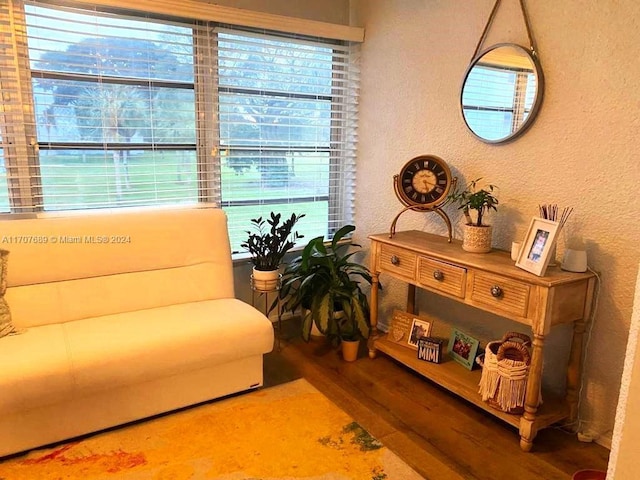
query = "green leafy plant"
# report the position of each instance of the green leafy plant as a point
(269, 240)
(325, 281)
(471, 198)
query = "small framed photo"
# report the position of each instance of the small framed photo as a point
(463, 348)
(406, 328)
(540, 240)
(420, 328)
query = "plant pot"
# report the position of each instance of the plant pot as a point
(350, 350)
(315, 331)
(477, 239)
(265, 280)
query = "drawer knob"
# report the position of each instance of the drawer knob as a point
(395, 260)
(496, 291)
(438, 275)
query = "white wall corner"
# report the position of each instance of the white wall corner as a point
(623, 453)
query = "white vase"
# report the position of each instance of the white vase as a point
(315, 331)
(477, 239)
(265, 280)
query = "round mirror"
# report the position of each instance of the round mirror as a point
(501, 92)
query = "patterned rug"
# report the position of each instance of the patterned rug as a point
(287, 432)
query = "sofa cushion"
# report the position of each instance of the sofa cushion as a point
(35, 369)
(94, 244)
(133, 347)
(102, 263)
(6, 326)
(68, 300)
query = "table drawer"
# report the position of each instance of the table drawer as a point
(500, 293)
(398, 261)
(442, 276)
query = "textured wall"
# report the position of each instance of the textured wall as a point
(579, 152)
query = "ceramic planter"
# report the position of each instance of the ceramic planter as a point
(350, 350)
(477, 239)
(265, 280)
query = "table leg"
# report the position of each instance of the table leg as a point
(528, 429)
(373, 311)
(574, 369)
(411, 299)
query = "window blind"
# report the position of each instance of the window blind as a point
(288, 111)
(119, 109)
(114, 110)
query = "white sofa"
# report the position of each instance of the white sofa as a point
(123, 316)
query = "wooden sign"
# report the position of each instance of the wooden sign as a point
(430, 349)
(406, 328)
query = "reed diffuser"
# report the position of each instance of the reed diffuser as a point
(550, 211)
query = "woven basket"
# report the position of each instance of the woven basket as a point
(505, 370)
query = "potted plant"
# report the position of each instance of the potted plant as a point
(268, 241)
(477, 235)
(327, 284)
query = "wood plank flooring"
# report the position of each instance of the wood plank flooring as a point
(440, 435)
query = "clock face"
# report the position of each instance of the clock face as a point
(424, 181)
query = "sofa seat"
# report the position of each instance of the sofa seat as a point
(35, 370)
(86, 356)
(164, 341)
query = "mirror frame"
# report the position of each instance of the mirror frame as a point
(537, 101)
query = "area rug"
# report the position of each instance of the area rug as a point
(291, 431)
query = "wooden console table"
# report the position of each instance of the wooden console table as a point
(490, 282)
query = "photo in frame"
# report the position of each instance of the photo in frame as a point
(407, 328)
(463, 348)
(420, 328)
(535, 252)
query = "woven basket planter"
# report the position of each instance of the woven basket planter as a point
(505, 371)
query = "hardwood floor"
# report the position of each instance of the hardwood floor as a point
(440, 435)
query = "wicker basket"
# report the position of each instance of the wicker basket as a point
(505, 370)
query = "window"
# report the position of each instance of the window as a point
(280, 130)
(126, 111)
(4, 190)
(114, 110)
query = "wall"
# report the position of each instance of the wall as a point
(626, 436)
(578, 153)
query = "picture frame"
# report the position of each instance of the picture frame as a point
(430, 349)
(539, 242)
(463, 348)
(407, 328)
(420, 328)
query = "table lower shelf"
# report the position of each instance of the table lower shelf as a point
(464, 383)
